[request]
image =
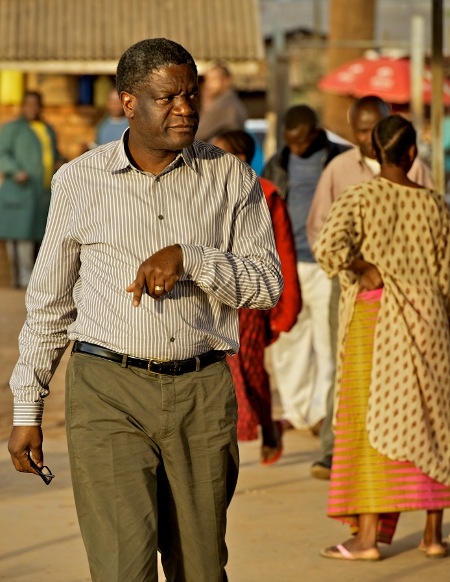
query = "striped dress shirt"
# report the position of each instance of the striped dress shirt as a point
(106, 217)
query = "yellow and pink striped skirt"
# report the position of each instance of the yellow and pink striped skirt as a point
(362, 479)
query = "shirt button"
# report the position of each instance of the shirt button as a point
(161, 217)
(172, 339)
(188, 276)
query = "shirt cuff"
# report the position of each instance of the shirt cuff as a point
(192, 262)
(28, 413)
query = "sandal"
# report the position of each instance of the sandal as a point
(340, 552)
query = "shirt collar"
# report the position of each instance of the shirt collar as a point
(363, 163)
(359, 156)
(119, 162)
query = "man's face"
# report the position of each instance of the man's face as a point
(363, 122)
(215, 82)
(299, 139)
(163, 115)
(31, 108)
(114, 105)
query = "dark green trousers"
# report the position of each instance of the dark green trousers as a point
(154, 464)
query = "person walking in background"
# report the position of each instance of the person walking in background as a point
(388, 239)
(28, 158)
(356, 165)
(258, 328)
(302, 362)
(115, 122)
(222, 109)
(152, 245)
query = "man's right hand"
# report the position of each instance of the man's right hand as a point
(25, 440)
(21, 177)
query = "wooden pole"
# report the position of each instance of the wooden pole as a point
(417, 72)
(437, 103)
(278, 87)
(350, 20)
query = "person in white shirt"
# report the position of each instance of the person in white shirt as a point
(153, 243)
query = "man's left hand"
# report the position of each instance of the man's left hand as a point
(158, 274)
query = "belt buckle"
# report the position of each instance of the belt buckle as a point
(153, 361)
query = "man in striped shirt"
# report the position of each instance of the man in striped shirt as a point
(152, 244)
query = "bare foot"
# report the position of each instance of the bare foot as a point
(434, 549)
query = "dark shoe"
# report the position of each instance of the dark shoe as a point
(322, 469)
(271, 454)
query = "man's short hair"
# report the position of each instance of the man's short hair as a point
(300, 115)
(222, 68)
(138, 61)
(369, 103)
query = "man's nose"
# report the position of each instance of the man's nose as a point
(185, 105)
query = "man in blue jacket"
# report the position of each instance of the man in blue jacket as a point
(302, 360)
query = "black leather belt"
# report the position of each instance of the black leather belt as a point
(172, 368)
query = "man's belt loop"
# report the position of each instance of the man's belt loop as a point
(124, 361)
(197, 364)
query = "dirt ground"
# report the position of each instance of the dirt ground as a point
(277, 519)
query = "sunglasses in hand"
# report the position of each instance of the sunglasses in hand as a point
(44, 472)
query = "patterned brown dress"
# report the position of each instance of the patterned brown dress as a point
(405, 232)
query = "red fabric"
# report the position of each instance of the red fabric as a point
(259, 328)
(283, 316)
(249, 375)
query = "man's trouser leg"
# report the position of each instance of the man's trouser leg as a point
(294, 362)
(322, 345)
(21, 256)
(327, 434)
(146, 448)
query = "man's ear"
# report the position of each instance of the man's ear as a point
(412, 152)
(128, 104)
(314, 133)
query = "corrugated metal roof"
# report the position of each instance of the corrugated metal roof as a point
(84, 34)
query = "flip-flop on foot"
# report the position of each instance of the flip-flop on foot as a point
(340, 552)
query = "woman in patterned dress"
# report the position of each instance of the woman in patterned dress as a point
(260, 328)
(388, 239)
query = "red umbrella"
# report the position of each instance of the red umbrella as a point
(385, 77)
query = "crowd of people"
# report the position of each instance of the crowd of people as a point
(171, 290)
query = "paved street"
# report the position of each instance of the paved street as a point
(277, 520)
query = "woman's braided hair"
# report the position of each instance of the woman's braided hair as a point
(392, 137)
